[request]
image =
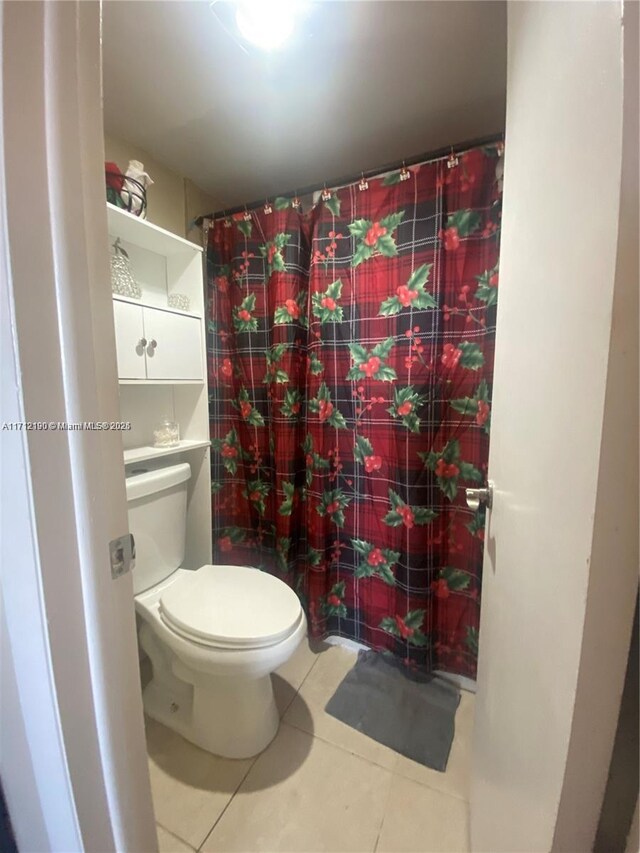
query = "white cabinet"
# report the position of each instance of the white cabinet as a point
(174, 348)
(130, 340)
(153, 344)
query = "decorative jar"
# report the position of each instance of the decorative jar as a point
(179, 301)
(166, 433)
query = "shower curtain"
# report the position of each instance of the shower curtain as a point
(350, 372)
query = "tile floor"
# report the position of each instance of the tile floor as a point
(319, 786)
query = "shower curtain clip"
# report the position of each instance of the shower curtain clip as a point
(295, 202)
(247, 215)
(364, 183)
(404, 173)
(267, 207)
(326, 195)
(452, 160)
(227, 220)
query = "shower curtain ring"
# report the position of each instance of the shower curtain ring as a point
(326, 195)
(227, 220)
(247, 215)
(364, 183)
(267, 207)
(404, 173)
(453, 160)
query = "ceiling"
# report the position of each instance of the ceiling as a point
(361, 84)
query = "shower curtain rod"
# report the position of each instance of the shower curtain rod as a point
(380, 170)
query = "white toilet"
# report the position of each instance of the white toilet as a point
(213, 635)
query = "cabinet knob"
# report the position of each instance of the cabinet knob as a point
(142, 342)
(153, 343)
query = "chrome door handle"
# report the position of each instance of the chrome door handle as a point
(476, 497)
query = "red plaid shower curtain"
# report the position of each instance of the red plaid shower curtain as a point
(350, 372)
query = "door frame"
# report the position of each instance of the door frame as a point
(74, 764)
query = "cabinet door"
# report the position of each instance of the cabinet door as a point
(129, 340)
(174, 346)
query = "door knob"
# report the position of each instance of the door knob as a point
(476, 497)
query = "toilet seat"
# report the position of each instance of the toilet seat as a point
(230, 607)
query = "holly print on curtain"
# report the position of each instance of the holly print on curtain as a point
(388, 297)
(257, 339)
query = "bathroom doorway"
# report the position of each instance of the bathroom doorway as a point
(506, 702)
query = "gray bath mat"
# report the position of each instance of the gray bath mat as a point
(412, 713)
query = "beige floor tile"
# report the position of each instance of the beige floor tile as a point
(303, 794)
(455, 780)
(168, 843)
(307, 713)
(190, 787)
(288, 678)
(421, 820)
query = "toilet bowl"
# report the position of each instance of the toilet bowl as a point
(214, 635)
(213, 652)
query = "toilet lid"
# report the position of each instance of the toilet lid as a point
(231, 606)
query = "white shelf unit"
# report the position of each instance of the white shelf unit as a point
(164, 263)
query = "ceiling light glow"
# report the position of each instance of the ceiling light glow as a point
(266, 23)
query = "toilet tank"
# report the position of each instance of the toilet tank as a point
(157, 505)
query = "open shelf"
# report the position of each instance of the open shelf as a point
(144, 454)
(145, 234)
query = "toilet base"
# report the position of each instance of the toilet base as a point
(230, 717)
